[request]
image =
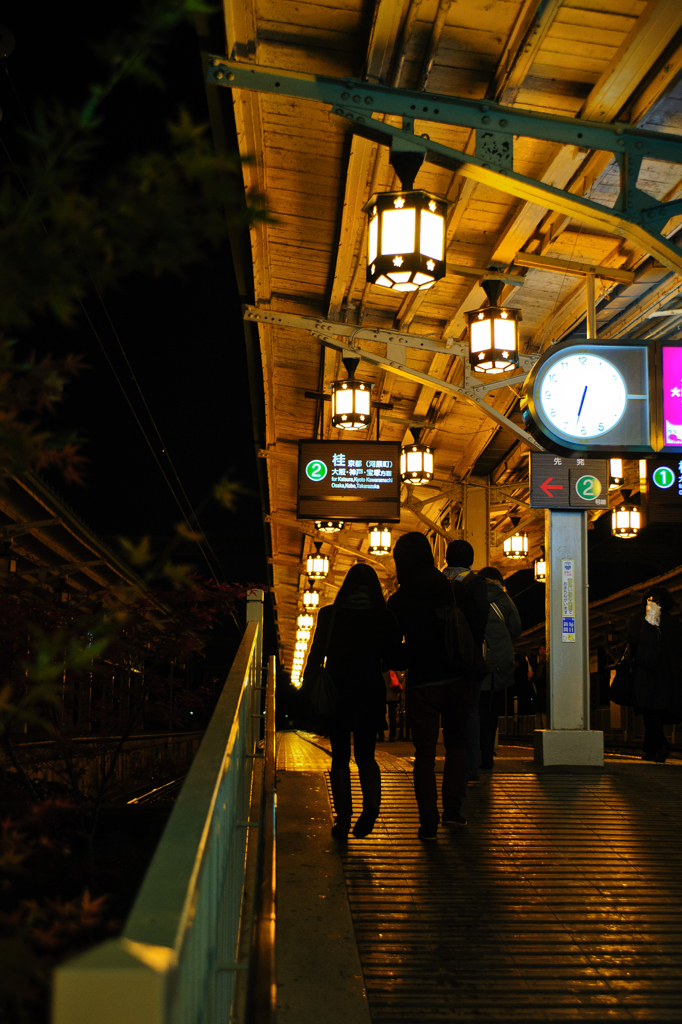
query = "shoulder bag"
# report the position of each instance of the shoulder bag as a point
(320, 690)
(622, 688)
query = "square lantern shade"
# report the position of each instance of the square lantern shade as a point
(303, 634)
(416, 464)
(626, 521)
(380, 540)
(302, 646)
(540, 570)
(406, 240)
(311, 599)
(493, 339)
(351, 404)
(305, 621)
(616, 475)
(317, 564)
(516, 546)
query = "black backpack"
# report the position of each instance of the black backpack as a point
(463, 653)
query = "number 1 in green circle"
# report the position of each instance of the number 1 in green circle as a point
(316, 470)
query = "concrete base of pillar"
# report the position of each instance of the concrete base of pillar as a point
(569, 746)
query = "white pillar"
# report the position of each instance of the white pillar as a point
(254, 613)
(477, 520)
(569, 739)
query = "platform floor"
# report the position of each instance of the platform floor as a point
(560, 900)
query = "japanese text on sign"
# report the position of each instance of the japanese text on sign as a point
(567, 601)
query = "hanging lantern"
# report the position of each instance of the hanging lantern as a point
(8, 561)
(416, 461)
(351, 406)
(62, 594)
(329, 525)
(379, 540)
(317, 564)
(303, 634)
(626, 521)
(406, 240)
(540, 570)
(305, 621)
(493, 333)
(616, 477)
(516, 546)
(311, 598)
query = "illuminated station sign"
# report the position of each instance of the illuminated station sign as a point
(664, 489)
(671, 372)
(357, 481)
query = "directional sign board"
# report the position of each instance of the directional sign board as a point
(357, 481)
(560, 482)
(664, 490)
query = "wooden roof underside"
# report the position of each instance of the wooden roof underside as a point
(597, 59)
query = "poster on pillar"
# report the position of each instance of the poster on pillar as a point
(567, 602)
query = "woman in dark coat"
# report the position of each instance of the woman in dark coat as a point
(656, 656)
(504, 625)
(357, 632)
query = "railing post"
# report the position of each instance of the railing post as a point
(254, 613)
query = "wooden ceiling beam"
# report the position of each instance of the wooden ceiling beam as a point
(527, 36)
(644, 44)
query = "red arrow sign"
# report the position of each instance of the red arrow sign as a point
(547, 486)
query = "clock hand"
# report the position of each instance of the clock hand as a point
(582, 402)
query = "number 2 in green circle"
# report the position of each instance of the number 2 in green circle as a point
(588, 488)
(316, 470)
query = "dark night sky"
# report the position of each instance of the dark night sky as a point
(182, 336)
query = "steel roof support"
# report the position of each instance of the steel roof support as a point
(396, 343)
(638, 217)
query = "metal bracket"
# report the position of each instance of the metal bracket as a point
(357, 101)
(495, 149)
(327, 329)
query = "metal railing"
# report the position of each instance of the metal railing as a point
(176, 961)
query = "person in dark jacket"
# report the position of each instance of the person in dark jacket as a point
(433, 690)
(356, 631)
(655, 648)
(504, 625)
(471, 592)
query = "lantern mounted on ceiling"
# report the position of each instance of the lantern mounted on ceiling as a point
(493, 333)
(626, 521)
(329, 525)
(311, 599)
(317, 564)
(351, 404)
(62, 594)
(406, 230)
(540, 569)
(516, 546)
(303, 634)
(616, 475)
(416, 460)
(305, 621)
(380, 540)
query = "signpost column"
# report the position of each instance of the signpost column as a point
(567, 487)
(569, 739)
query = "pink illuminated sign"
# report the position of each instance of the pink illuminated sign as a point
(672, 395)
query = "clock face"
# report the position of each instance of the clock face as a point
(581, 396)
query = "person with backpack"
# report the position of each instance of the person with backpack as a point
(472, 595)
(436, 686)
(504, 625)
(351, 638)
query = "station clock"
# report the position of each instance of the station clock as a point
(592, 397)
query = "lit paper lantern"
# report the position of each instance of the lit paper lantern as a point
(329, 525)
(493, 334)
(379, 540)
(416, 461)
(303, 634)
(311, 598)
(301, 646)
(516, 546)
(626, 521)
(305, 621)
(351, 399)
(317, 564)
(616, 476)
(540, 570)
(406, 240)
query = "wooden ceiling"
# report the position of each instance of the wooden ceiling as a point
(602, 60)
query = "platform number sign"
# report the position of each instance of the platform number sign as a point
(316, 469)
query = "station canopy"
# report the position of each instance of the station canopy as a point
(535, 121)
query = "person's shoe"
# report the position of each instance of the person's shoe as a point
(364, 825)
(453, 818)
(428, 833)
(340, 829)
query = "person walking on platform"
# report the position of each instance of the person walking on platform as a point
(504, 624)
(472, 596)
(655, 650)
(433, 689)
(355, 634)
